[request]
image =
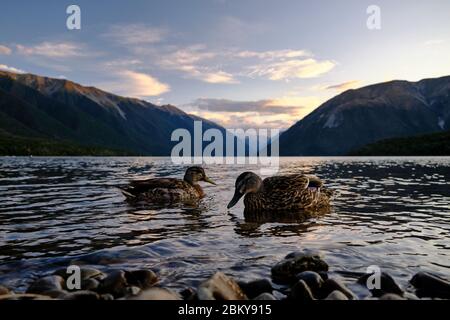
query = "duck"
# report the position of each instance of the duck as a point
(281, 193)
(168, 189)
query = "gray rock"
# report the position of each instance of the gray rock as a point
(331, 285)
(391, 296)
(90, 284)
(312, 279)
(300, 291)
(83, 295)
(255, 288)
(429, 285)
(133, 291)
(156, 294)
(265, 296)
(143, 279)
(387, 285)
(286, 270)
(86, 273)
(24, 297)
(106, 297)
(56, 294)
(336, 295)
(115, 283)
(220, 287)
(46, 284)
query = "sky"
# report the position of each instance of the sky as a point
(241, 63)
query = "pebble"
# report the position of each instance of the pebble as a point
(23, 297)
(391, 296)
(115, 283)
(429, 285)
(331, 285)
(86, 273)
(46, 284)
(189, 294)
(312, 279)
(265, 296)
(387, 285)
(90, 284)
(301, 291)
(336, 295)
(295, 263)
(220, 287)
(143, 279)
(156, 294)
(255, 288)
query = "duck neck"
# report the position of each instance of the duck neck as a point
(190, 180)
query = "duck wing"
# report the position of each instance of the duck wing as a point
(291, 191)
(141, 186)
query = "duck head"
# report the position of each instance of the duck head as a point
(196, 174)
(248, 182)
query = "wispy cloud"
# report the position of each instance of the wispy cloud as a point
(291, 69)
(270, 113)
(5, 50)
(345, 85)
(55, 50)
(135, 34)
(135, 84)
(4, 67)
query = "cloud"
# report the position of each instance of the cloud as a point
(4, 67)
(54, 50)
(291, 69)
(345, 85)
(272, 55)
(434, 42)
(136, 84)
(270, 113)
(135, 34)
(5, 50)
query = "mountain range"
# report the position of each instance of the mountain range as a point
(63, 111)
(363, 116)
(46, 116)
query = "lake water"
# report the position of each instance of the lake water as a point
(390, 212)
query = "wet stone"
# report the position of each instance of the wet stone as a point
(391, 296)
(331, 285)
(24, 297)
(429, 285)
(156, 294)
(387, 285)
(56, 294)
(90, 284)
(83, 295)
(86, 273)
(312, 279)
(265, 296)
(220, 287)
(143, 279)
(189, 294)
(115, 283)
(300, 291)
(286, 270)
(255, 288)
(46, 284)
(336, 295)
(106, 297)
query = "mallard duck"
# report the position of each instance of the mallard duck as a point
(168, 189)
(280, 193)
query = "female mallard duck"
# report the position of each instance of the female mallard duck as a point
(168, 189)
(280, 193)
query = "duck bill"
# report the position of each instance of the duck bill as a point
(237, 196)
(210, 181)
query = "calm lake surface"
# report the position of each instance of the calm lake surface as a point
(390, 212)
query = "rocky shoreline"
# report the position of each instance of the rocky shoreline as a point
(300, 276)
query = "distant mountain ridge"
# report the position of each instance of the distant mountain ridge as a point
(58, 109)
(359, 117)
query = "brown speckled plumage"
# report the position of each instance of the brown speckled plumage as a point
(281, 193)
(168, 189)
